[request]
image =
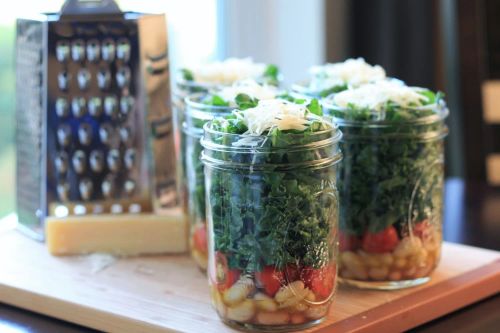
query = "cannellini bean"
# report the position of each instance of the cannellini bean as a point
(200, 259)
(348, 257)
(239, 291)
(378, 273)
(408, 246)
(360, 273)
(354, 264)
(265, 303)
(317, 311)
(395, 276)
(423, 271)
(297, 318)
(292, 301)
(346, 274)
(386, 259)
(273, 318)
(241, 312)
(410, 272)
(218, 303)
(300, 307)
(311, 297)
(422, 257)
(433, 242)
(371, 260)
(290, 290)
(436, 254)
(400, 262)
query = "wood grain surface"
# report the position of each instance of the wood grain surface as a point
(169, 294)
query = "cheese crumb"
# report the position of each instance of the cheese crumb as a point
(228, 71)
(276, 113)
(352, 72)
(374, 96)
(249, 87)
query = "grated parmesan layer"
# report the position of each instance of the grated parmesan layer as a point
(353, 72)
(375, 95)
(276, 113)
(228, 71)
(249, 87)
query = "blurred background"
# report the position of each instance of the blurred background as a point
(448, 45)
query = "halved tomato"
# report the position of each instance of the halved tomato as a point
(321, 281)
(200, 238)
(224, 277)
(423, 230)
(270, 279)
(380, 242)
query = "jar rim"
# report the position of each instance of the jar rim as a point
(302, 87)
(181, 82)
(440, 109)
(334, 138)
(333, 129)
(193, 100)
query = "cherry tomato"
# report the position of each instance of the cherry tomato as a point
(224, 277)
(270, 279)
(348, 242)
(423, 230)
(321, 281)
(380, 242)
(200, 238)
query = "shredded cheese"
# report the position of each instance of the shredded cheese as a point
(375, 95)
(353, 72)
(228, 71)
(249, 87)
(276, 113)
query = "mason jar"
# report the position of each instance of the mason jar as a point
(331, 78)
(185, 88)
(181, 91)
(391, 188)
(302, 89)
(272, 212)
(196, 115)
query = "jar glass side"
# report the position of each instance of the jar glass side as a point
(182, 90)
(273, 228)
(195, 116)
(391, 184)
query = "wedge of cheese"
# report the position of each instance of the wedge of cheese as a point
(118, 234)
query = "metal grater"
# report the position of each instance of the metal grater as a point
(94, 125)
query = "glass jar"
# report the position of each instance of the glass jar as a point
(182, 90)
(391, 188)
(272, 212)
(302, 89)
(195, 116)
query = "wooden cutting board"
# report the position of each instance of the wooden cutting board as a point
(169, 294)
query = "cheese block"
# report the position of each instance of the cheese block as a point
(118, 234)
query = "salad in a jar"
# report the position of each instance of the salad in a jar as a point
(200, 109)
(332, 78)
(270, 173)
(226, 72)
(390, 182)
(201, 79)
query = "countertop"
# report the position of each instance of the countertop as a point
(472, 217)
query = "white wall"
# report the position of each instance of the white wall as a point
(289, 33)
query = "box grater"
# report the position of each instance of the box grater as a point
(93, 118)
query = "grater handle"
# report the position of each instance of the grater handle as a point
(89, 7)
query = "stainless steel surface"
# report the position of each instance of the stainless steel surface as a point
(30, 77)
(94, 119)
